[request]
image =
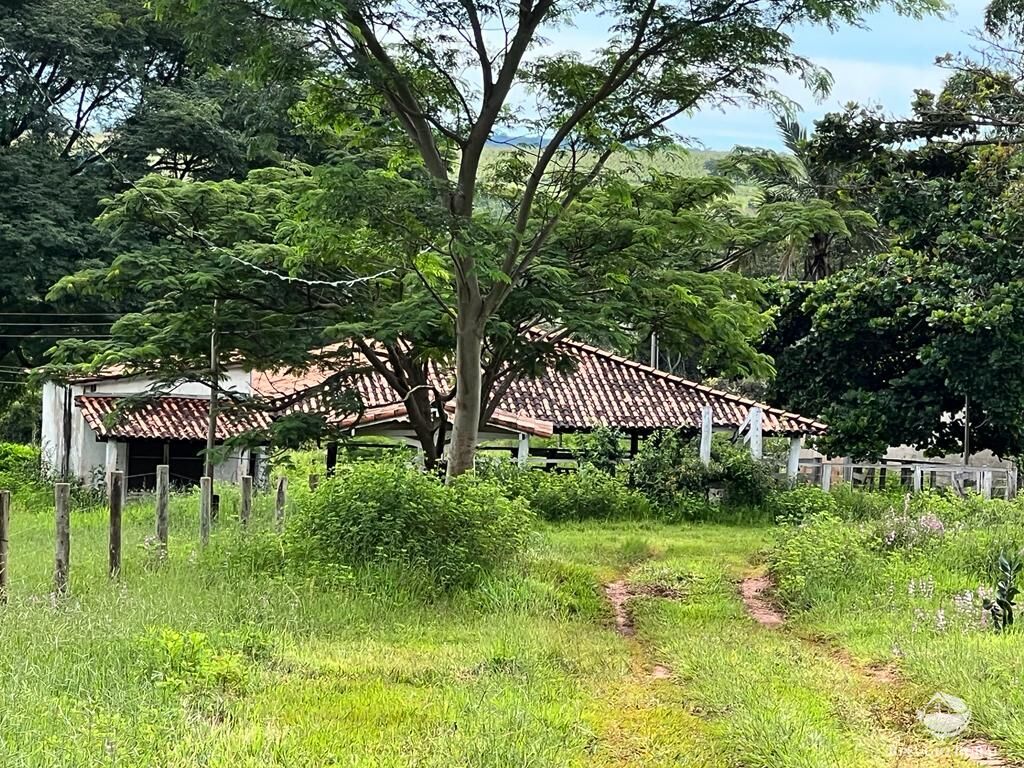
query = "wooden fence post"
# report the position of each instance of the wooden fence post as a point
(282, 497)
(5, 525)
(116, 511)
(62, 559)
(246, 511)
(205, 505)
(163, 483)
(826, 476)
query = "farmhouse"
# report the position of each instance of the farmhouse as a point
(85, 434)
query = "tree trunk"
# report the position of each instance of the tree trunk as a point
(468, 380)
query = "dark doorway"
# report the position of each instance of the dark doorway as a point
(183, 456)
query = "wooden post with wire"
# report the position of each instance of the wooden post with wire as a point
(5, 526)
(62, 555)
(116, 512)
(205, 507)
(246, 509)
(163, 482)
(280, 501)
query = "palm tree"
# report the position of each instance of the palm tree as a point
(806, 175)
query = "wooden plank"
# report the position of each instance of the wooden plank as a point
(116, 511)
(246, 511)
(205, 509)
(280, 501)
(163, 490)
(5, 527)
(62, 554)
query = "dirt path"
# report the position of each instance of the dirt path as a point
(619, 594)
(754, 590)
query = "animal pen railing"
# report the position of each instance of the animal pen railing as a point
(989, 482)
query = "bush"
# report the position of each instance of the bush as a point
(602, 448)
(19, 466)
(799, 503)
(667, 466)
(588, 494)
(813, 562)
(378, 515)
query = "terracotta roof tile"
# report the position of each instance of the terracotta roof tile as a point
(165, 418)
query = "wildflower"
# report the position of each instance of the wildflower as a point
(931, 525)
(940, 620)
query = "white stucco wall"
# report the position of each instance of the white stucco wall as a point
(91, 459)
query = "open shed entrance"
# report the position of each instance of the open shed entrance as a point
(183, 456)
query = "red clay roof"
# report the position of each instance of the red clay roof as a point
(607, 389)
(165, 418)
(502, 419)
(603, 389)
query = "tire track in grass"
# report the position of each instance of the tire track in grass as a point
(754, 591)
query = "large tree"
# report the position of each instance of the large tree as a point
(809, 172)
(273, 264)
(920, 345)
(453, 72)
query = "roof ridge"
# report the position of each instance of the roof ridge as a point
(686, 382)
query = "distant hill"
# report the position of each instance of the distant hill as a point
(681, 161)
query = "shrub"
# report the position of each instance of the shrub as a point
(383, 514)
(667, 466)
(19, 466)
(187, 662)
(601, 448)
(588, 494)
(812, 562)
(799, 503)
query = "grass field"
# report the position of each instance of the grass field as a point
(202, 661)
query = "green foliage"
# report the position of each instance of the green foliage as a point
(588, 494)
(666, 466)
(387, 514)
(1001, 607)
(19, 466)
(814, 560)
(187, 662)
(792, 506)
(602, 449)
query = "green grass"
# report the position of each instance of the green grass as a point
(896, 606)
(524, 670)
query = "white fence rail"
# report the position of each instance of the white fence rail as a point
(990, 482)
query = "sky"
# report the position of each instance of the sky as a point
(880, 66)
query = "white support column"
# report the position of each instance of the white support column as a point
(826, 476)
(756, 444)
(986, 483)
(918, 478)
(793, 462)
(524, 449)
(706, 427)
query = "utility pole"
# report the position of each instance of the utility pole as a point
(967, 431)
(211, 429)
(654, 349)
